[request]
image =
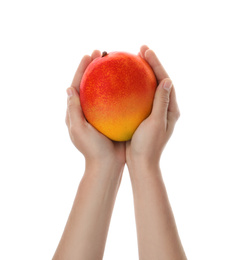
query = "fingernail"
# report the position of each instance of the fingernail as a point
(167, 84)
(146, 52)
(69, 92)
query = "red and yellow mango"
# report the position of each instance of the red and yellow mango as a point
(116, 94)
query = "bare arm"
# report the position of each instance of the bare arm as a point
(85, 233)
(156, 228)
(86, 230)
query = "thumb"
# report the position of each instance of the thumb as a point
(74, 108)
(161, 99)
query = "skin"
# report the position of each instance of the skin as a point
(85, 233)
(156, 228)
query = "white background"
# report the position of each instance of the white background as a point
(42, 43)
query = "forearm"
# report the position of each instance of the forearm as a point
(86, 230)
(156, 228)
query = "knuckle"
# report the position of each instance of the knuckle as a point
(157, 124)
(70, 104)
(67, 122)
(67, 118)
(177, 114)
(154, 122)
(165, 98)
(73, 130)
(174, 116)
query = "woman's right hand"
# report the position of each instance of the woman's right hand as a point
(151, 136)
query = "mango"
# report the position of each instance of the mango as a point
(116, 93)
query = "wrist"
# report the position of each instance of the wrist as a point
(107, 169)
(142, 169)
(144, 162)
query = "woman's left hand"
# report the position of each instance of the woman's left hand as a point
(95, 147)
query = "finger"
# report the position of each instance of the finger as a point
(173, 109)
(67, 118)
(161, 101)
(96, 54)
(155, 64)
(173, 105)
(79, 72)
(143, 49)
(74, 109)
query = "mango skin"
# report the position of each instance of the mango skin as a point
(116, 94)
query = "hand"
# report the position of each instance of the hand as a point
(151, 136)
(92, 144)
